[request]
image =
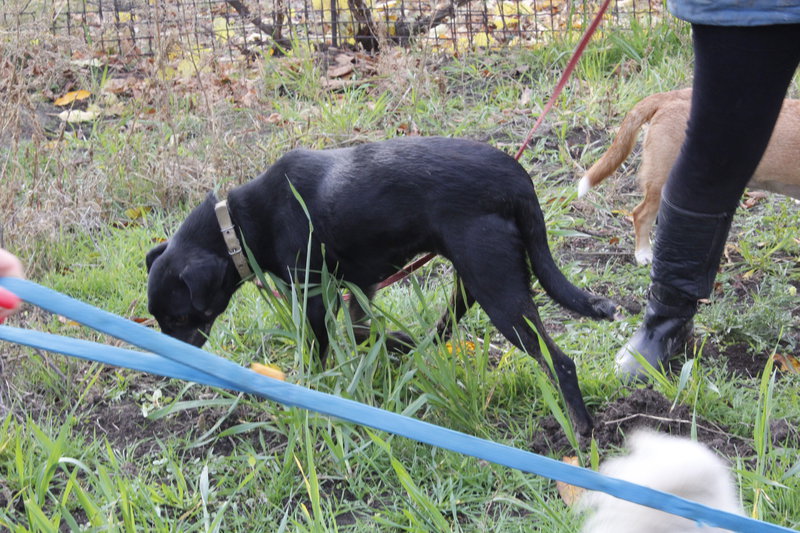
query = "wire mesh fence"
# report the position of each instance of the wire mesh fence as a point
(249, 27)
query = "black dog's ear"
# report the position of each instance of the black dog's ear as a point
(204, 279)
(154, 254)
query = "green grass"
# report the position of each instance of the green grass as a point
(83, 446)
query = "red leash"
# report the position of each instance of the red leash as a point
(576, 55)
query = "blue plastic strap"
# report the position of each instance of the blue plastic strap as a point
(173, 358)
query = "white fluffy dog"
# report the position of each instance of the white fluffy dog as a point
(675, 465)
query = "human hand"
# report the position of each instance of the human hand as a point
(9, 266)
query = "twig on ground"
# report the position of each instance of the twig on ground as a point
(668, 420)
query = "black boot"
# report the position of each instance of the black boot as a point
(687, 251)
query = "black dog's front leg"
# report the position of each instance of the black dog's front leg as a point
(396, 341)
(315, 312)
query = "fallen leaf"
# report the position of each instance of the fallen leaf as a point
(73, 116)
(87, 62)
(787, 363)
(137, 212)
(343, 59)
(464, 348)
(753, 197)
(340, 70)
(67, 321)
(222, 29)
(525, 97)
(72, 96)
(268, 370)
(118, 85)
(756, 194)
(186, 68)
(570, 493)
(613, 240)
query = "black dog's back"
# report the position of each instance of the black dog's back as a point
(400, 191)
(406, 192)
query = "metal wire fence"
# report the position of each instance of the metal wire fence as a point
(249, 27)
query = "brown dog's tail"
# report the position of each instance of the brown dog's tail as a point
(623, 143)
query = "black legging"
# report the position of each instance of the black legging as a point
(741, 75)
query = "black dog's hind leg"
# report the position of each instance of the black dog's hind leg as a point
(491, 261)
(396, 341)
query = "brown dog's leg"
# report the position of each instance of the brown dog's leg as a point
(660, 149)
(644, 216)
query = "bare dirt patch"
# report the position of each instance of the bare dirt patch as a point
(124, 425)
(643, 408)
(738, 358)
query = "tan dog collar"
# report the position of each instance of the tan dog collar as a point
(231, 240)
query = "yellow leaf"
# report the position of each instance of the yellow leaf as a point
(268, 370)
(185, 68)
(166, 73)
(465, 348)
(569, 493)
(222, 29)
(124, 16)
(67, 321)
(137, 212)
(479, 40)
(787, 363)
(71, 97)
(510, 9)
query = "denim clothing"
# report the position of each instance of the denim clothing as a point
(736, 12)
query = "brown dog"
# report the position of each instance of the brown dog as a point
(668, 113)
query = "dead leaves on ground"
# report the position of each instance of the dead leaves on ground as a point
(752, 198)
(198, 75)
(349, 69)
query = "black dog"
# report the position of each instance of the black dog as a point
(372, 207)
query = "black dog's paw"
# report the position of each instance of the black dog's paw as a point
(606, 308)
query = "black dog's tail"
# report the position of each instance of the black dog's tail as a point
(531, 221)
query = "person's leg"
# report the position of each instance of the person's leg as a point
(741, 77)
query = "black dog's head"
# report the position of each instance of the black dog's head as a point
(187, 289)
